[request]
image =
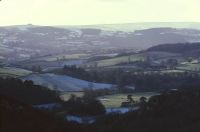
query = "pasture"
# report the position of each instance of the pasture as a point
(118, 60)
(13, 72)
(112, 101)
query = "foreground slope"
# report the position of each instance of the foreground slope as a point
(173, 111)
(18, 117)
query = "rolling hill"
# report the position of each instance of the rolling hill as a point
(29, 41)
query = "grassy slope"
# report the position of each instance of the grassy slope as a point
(13, 72)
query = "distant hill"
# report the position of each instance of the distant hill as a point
(186, 49)
(28, 41)
(130, 27)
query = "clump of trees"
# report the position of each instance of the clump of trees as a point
(129, 103)
(88, 105)
(27, 92)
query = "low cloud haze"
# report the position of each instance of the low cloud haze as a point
(84, 12)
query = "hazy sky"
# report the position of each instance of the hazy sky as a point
(83, 12)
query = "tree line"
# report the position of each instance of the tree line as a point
(142, 81)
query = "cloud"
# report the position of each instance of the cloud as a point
(113, 0)
(65, 12)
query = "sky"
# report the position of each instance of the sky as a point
(87, 12)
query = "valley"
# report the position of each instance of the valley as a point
(87, 76)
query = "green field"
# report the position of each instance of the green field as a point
(63, 57)
(13, 72)
(118, 60)
(112, 101)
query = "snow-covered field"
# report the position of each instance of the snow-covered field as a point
(64, 83)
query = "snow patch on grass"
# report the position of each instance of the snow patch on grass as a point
(64, 83)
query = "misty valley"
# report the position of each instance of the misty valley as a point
(136, 77)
